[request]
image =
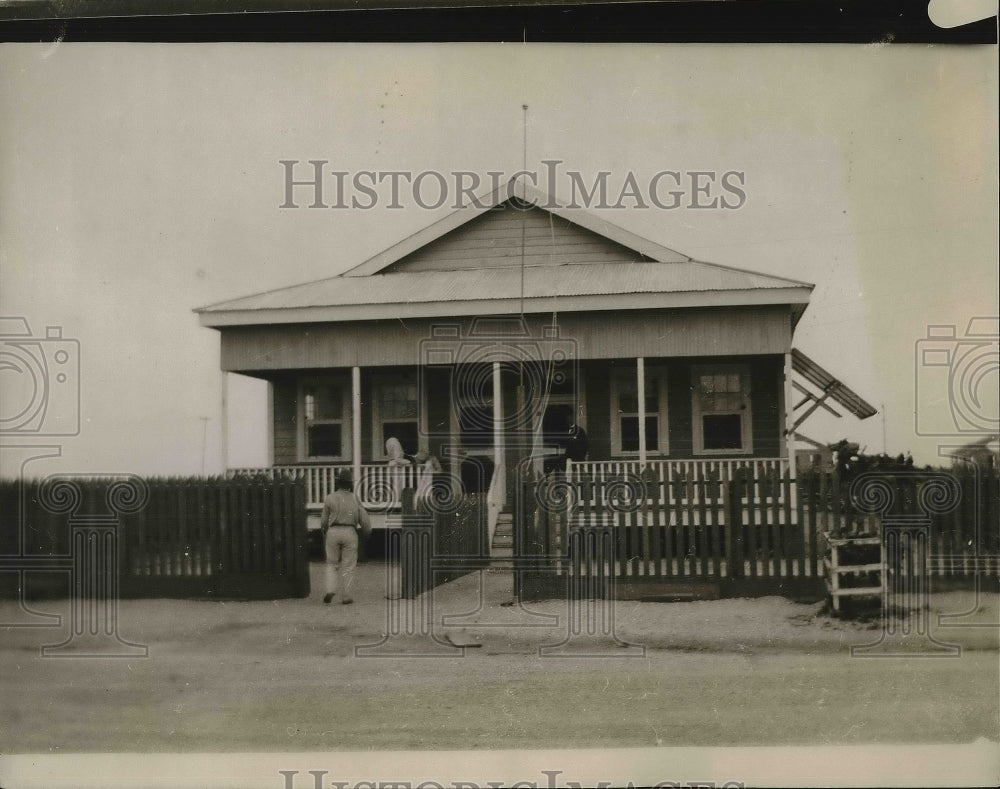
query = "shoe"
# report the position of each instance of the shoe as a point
(347, 601)
(328, 597)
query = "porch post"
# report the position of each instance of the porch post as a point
(640, 382)
(788, 398)
(356, 423)
(224, 416)
(270, 423)
(498, 454)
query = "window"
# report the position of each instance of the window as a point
(625, 412)
(396, 413)
(721, 410)
(325, 421)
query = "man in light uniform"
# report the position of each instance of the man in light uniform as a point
(342, 516)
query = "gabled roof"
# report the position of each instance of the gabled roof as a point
(498, 196)
(656, 277)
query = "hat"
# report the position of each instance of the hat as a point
(344, 477)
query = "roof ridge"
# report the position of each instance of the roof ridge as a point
(645, 261)
(216, 304)
(799, 282)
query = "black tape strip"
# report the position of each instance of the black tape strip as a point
(844, 21)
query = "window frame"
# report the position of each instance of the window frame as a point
(619, 376)
(302, 452)
(380, 380)
(745, 412)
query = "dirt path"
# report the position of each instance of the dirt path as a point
(283, 676)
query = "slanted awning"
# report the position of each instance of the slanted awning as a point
(830, 388)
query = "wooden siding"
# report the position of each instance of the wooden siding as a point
(495, 238)
(367, 404)
(285, 421)
(597, 385)
(438, 437)
(438, 394)
(679, 413)
(509, 381)
(766, 383)
(731, 331)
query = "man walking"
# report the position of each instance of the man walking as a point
(342, 516)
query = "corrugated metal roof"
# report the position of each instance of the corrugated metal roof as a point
(581, 279)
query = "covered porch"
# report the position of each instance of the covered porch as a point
(493, 422)
(496, 423)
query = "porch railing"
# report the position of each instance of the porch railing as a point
(669, 481)
(379, 488)
(679, 482)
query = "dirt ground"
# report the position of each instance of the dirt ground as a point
(288, 675)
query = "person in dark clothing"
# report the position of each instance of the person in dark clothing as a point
(576, 444)
(572, 443)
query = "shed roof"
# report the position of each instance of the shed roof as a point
(831, 386)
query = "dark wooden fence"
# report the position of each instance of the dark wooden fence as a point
(442, 539)
(744, 535)
(957, 509)
(194, 537)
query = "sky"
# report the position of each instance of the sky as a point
(140, 181)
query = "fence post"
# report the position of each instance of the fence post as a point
(409, 625)
(590, 609)
(300, 529)
(734, 527)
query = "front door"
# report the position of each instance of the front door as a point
(473, 426)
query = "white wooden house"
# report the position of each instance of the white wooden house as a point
(469, 337)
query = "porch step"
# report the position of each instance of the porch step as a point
(502, 546)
